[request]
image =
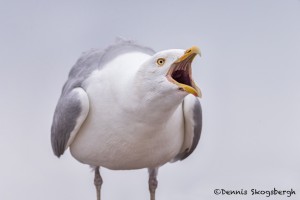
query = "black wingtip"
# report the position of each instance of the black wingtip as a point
(57, 155)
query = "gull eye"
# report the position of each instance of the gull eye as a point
(161, 61)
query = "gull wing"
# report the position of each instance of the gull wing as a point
(192, 114)
(71, 111)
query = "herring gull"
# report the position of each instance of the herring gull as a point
(128, 107)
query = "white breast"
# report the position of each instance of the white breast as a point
(116, 133)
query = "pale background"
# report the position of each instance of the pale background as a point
(249, 75)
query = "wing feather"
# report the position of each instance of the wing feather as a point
(71, 111)
(192, 114)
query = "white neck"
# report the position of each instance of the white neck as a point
(149, 103)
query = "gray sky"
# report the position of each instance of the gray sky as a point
(249, 75)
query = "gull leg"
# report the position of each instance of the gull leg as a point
(98, 182)
(152, 182)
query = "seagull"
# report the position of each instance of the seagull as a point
(128, 107)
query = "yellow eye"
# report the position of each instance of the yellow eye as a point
(160, 61)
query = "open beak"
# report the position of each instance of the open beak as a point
(180, 72)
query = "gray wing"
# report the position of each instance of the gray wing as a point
(71, 111)
(73, 106)
(192, 114)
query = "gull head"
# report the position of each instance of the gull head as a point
(170, 71)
